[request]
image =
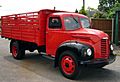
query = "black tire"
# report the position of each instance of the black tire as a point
(17, 51)
(76, 72)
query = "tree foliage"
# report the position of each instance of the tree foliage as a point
(83, 11)
(99, 14)
(112, 11)
(108, 7)
(105, 5)
(91, 11)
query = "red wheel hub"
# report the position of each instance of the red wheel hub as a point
(68, 65)
(14, 51)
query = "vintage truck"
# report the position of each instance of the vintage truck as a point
(62, 36)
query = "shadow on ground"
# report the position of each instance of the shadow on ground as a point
(44, 67)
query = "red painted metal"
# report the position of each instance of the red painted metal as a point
(68, 65)
(34, 27)
(14, 51)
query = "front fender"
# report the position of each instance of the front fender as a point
(78, 48)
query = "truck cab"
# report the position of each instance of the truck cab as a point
(63, 28)
(71, 32)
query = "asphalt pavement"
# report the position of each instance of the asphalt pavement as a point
(35, 68)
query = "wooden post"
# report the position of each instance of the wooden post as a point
(116, 28)
(112, 29)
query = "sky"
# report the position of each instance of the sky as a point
(22, 6)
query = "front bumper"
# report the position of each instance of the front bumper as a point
(110, 60)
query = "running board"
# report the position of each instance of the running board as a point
(47, 56)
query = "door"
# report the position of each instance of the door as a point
(53, 32)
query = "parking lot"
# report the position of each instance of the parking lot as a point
(35, 68)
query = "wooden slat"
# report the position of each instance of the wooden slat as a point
(103, 24)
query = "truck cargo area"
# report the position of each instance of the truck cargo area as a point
(28, 27)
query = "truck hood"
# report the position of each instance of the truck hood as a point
(94, 35)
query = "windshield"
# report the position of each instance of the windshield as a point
(71, 23)
(85, 22)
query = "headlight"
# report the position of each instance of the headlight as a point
(89, 52)
(111, 47)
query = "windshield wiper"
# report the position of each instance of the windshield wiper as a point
(74, 19)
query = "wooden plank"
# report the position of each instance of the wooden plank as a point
(103, 24)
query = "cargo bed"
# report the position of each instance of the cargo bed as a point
(28, 27)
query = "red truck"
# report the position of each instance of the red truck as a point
(65, 37)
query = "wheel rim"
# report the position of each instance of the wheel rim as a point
(14, 51)
(68, 65)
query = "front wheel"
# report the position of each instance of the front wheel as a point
(17, 51)
(68, 65)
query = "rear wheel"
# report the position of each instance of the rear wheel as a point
(17, 51)
(68, 65)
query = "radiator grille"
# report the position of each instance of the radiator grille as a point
(103, 48)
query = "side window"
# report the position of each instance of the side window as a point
(55, 23)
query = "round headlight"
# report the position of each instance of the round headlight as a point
(89, 52)
(111, 47)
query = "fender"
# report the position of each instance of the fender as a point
(76, 47)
